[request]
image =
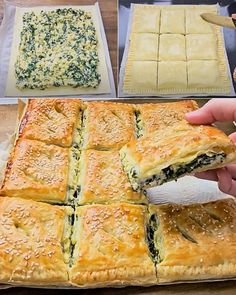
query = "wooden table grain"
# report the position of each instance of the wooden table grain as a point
(8, 116)
(109, 15)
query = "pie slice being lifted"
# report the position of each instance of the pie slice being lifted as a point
(173, 152)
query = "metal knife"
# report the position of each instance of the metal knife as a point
(224, 21)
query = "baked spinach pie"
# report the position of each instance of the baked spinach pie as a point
(175, 151)
(57, 48)
(68, 153)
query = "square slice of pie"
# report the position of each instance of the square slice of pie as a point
(146, 19)
(201, 46)
(172, 74)
(110, 247)
(108, 125)
(194, 242)
(174, 152)
(144, 46)
(53, 121)
(103, 180)
(34, 243)
(172, 47)
(140, 76)
(37, 171)
(152, 117)
(203, 73)
(195, 24)
(172, 21)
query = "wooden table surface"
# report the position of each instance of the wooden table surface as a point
(109, 15)
(8, 116)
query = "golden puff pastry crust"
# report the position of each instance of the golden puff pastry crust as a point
(103, 180)
(37, 171)
(174, 152)
(108, 125)
(146, 19)
(33, 242)
(110, 247)
(52, 121)
(196, 241)
(144, 46)
(156, 116)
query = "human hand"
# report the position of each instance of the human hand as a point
(222, 110)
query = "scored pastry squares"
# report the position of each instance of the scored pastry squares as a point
(184, 37)
(108, 125)
(141, 76)
(195, 24)
(144, 46)
(53, 121)
(157, 116)
(203, 73)
(172, 47)
(110, 246)
(195, 241)
(172, 74)
(34, 247)
(172, 21)
(103, 180)
(38, 171)
(201, 46)
(146, 19)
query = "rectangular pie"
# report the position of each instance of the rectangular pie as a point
(103, 180)
(107, 125)
(110, 247)
(34, 242)
(37, 171)
(174, 152)
(194, 242)
(53, 121)
(151, 117)
(178, 63)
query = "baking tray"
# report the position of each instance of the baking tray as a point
(194, 191)
(125, 12)
(6, 38)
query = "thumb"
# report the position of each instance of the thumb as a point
(233, 137)
(233, 15)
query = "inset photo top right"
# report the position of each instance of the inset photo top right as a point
(176, 49)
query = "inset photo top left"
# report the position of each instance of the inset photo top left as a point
(53, 48)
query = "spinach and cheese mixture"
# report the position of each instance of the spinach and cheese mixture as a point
(58, 48)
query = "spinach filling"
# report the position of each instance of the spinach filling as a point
(58, 48)
(138, 125)
(151, 229)
(72, 246)
(171, 172)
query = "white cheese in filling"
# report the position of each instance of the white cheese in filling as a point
(58, 48)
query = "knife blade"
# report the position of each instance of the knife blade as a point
(223, 21)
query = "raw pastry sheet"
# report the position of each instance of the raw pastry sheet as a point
(158, 93)
(10, 38)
